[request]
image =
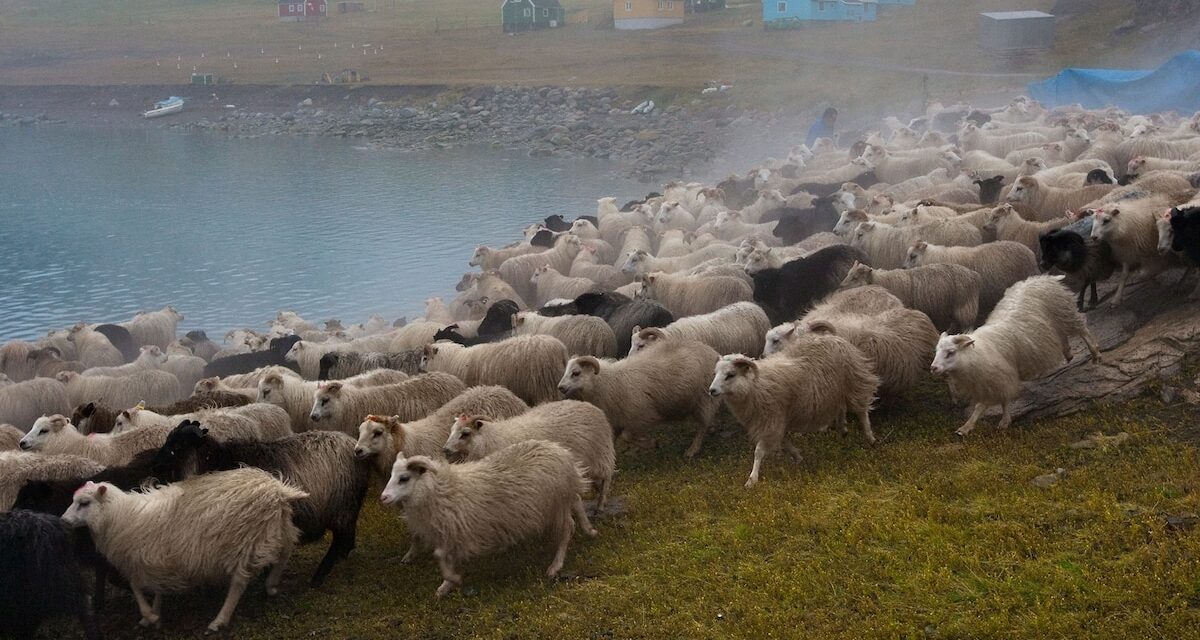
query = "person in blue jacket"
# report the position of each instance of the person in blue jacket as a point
(823, 128)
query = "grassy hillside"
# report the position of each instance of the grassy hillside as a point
(459, 42)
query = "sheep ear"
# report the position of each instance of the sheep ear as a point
(637, 328)
(478, 424)
(418, 466)
(963, 341)
(333, 387)
(88, 409)
(101, 490)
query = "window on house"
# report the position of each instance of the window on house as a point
(822, 5)
(629, 6)
(545, 13)
(670, 4)
(781, 7)
(662, 4)
(528, 13)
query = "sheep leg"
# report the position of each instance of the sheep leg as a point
(1187, 271)
(450, 579)
(1095, 299)
(602, 489)
(585, 524)
(1091, 344)
(339, 547)
(91, 631)
(564, 539)
(149, 618)
(1066, 349)
(976, 414)
(1079, 300)
(792, 451)
(840, 423)
(1005, 417)
(697, 441)
(276, 574)
(760, 452)
(237, 586)
(1116, 301)
(864, 418)
(413, 549)
(708, 411)
(157, 604)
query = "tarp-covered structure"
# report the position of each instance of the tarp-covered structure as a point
(1173, 86)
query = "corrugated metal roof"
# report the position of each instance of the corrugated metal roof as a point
(1016, 15)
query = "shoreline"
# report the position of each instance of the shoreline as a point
(669, 141)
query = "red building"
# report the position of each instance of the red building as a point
(297, 10)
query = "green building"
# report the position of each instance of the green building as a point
(527, 15)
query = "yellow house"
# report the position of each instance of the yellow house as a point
(647, 14)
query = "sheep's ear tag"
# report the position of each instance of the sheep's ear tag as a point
(140, 405)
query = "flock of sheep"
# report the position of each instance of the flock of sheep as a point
(798, 296)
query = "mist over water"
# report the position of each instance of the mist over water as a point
(100, 223)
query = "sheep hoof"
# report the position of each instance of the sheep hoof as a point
(1004, 424)
(444, 588)
(149, 621)
(408, 558)
(212, 628)
(272, 590)
(750, 482)
(591, 533)
(962, 432)
(691, 453)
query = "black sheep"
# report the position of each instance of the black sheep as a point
(496, 325)
(798, 224)
(121, 339)
(865, 180)
(623, 314)
(320, 462)
(247, 362)
(788, 291)
(545, 238)
(97, 418)
(633, 204)
(1185, 230)
(1097, 176)
(739, 190)
(556, 223)
(1084, 261)
(39, 576)
(989, 189)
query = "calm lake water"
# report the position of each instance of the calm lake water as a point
(97, 223)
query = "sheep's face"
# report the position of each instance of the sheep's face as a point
(173, 313)
(519, 319)
(206, 385)
(779, 337)
(428, 355)
(1166, 235)
(636, 262)
(408, 476)
(577, 379)
(375, 436)
(463, 435)
(733, 376)
(1103, 222)
(643, 339)
(757, 261)
(1034, 165)
(467, 281)
(773, 199)
(949, 353)
(126, 420)
(539, 273)
(43, 430)
(916, 255)
(847, 221)
(864, 230)
(270, 389)
(153, 355)
(859, 275)
(87, 503)
(1135, 166)
(996, 216)
(327, 402)
(293, 354)
(477, 258)
(1022, 190)
(910, 216)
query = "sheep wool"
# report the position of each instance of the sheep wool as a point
(341, 407)
(582, 335)
(737, 328)
(55, 435)
(18, 468)
(528, 366)
(694, 295)
(24, 402)
(947, 293)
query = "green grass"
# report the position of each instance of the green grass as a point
(923, 536)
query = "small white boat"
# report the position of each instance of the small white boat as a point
(174, 104)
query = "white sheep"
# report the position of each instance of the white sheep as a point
(972, 137)
(1050, 203)
(998, 264)
(154, 387)
(150, 357)
(528, 366)
(233, 525)
(818, 381)
(1130, 231)
(10, 437)
(1026, 336)
(487, 258)
(341, 407)
(256, 421)
(156, 327)
(549, 284)
(947, 293)
(662, 383)
(23, 402)
(18, 468)
(694, 295)
(580, 427)
(582, 335)
(55, 435)
(737, 328)
(93, 348)
(1007, 224)
(641, 261)
(467, 510)
(888, 246)
(518, 270)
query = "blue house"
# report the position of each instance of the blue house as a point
(906, 3)
(783, 14)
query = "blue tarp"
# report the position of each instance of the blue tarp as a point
(1173, 86)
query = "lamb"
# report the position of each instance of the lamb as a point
(694, 295)
(155, 387)
(100, 418)
(1084, 262)
(338, 365)
(517, 271)
(579, 427)
(1132, 235)
(55, 435)
(1007, 225)
(999, 265)
(257, 421)
(40, 577)
(466, 510)
(1050, 203)
(10, 437)
(316, 462)
(1021, 340)
(380, 438)
(662, 383)
(786, 292)
(738, 328)
(24, 402)
(274, 355)
(887, 246)
(551, 284)
(947, 293)
(18, 468)
(237, 523)
(583, 335)
(149, 358)
(822, 378)
(93, 349)
(155, 328)
(896, 342)
(341, 407)
(486, 258)
(541, 358)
